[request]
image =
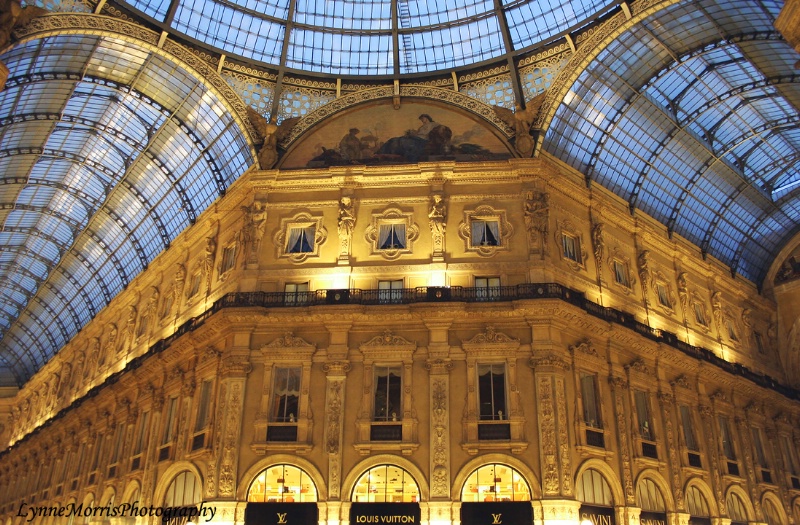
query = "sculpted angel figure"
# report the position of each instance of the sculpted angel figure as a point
(521, 119)
(270, 135)
(346, 223)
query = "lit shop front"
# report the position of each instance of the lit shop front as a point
(282, 495)
(493, 494)
(385, 494)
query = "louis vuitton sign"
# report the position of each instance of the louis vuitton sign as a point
(497, 513)
(281, 514)
(384, 513)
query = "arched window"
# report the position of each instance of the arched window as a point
(649, 498)
(771, 514)
(735, 507)
(282, 484)
(184, 491)
(386, 484)
(593, 489)
(495, 482)
(697, 505)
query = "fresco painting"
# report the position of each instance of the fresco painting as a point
(381, 135)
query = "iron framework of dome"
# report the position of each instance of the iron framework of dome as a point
(114, 137)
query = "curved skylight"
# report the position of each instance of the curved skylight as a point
(692, 117)
(369, 37)
(107, 153)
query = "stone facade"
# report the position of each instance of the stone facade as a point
(662, 333)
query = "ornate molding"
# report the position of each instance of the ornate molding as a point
(585, 347)
(549, 360)
(486, 213)
(491, 336)
(640, 366)
(288, 340)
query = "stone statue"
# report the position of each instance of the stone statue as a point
(598, 243)
(521, 119)
(683, 292)
(536, 211)
(255, 220)
(437, 216)
(346, 224)
(269, 135)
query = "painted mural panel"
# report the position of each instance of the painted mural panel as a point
(379, 134)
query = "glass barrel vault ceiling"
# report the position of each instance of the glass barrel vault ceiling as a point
(108, 151)
(692, 117)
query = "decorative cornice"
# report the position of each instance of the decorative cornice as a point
(585, 347)
(491, 336)
(288, 340)
(681, 381)
(640, 366)
(549, 360)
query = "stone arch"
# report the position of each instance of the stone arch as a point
(608, 473)
(796, 510)
(702, 486)
(108, 495)
(349, 481)
(746, 503)
(775, 501)
(440, 96)
(475, 463)
(169, 474)
(132, 488)
(282, 459)
(656, 477)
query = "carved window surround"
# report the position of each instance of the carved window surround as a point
(618, 258)
(300, 220)
(227, 262)
(565, 228)
(665, 295)
(387, 349)
(489, 214)
(698, 306)
(285, 351)
(392, 216)
(486, 348)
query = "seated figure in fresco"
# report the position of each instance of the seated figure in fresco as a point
(431, 138)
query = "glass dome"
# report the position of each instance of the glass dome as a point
(369, 37)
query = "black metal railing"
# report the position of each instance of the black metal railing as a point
(431, 294)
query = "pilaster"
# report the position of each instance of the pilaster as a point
(439, 382)
(336, 375)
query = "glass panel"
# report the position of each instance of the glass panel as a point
(643, 414)
(725, 436)
(492, 392)
(591, 408)
(169, 420)
(203, 408)
(688, 429)
(388, 391)
(495, 482)
(593, 489)
(286, 395)
(282, 483)
(385, 484)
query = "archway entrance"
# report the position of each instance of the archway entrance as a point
(282, 495)
(385, 494)
(496, 493)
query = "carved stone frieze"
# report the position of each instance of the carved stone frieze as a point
(491, 336)
(639, 365)
(549, 360)
(585, 347)
(288, 340)
(440, 442)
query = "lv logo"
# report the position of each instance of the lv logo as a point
(282, 517)
(497, 519)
